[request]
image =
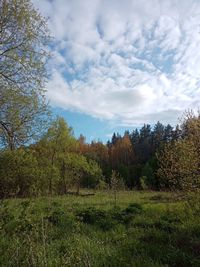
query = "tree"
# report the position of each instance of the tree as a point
(158, 135)
(177, 133)
(22, 118)
(168, 133)
(99, 152)
(135, 137)
(122, 152)
(116, 183)
(52, 151)
(144, 147)
(179, 166)
(114, 139)
(58, 153)
(24, 36)
(190, 128)
(78, 169)
(148, 172)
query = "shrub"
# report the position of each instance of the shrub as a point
(143, 183)
(19, 173)
(99, 218)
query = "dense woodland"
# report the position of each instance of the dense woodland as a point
(39, 154)
(162, 158)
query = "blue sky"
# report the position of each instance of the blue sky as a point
(91, 128)
(119, 64)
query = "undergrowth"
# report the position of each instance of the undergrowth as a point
(69, 232)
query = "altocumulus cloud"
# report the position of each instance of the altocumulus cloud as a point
(126, 61)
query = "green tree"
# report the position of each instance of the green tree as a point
(79, 169)
(52, 151)
(58, 154)
(22, 118)
(24, 36)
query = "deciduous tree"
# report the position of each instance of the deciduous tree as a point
(23, 55)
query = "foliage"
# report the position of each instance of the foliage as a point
(23, 57)
(107, 219)
(79, 168)
(24, 35)
(149, 171)
(53, 165)
(179, 166)
(102, 185)
(179, 160)
(116, 181)
(65, 163)
(23, 118)
(19, 174)
(64, 166)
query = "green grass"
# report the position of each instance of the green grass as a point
(145, 229)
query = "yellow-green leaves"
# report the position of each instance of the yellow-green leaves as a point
(23, 36)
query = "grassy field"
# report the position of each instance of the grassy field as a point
(141, 229)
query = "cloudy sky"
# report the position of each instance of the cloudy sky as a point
(118, 64)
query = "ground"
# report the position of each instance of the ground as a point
(140, 229)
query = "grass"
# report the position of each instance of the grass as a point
(145, 229)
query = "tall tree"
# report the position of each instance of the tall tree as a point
(24, 35)
(23, 38)
(144, 147)
(168, 133)
(52, 151)
(158, 135)
(22, 118)
(122, 152)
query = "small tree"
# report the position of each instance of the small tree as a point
(143, 183)
(116, 184)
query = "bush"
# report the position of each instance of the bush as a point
(108, 219)
(19, 174)
(99, 218)
(134, 208)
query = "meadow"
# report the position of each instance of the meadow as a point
(139, 229)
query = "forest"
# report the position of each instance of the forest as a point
(133, 201)
(162, 158)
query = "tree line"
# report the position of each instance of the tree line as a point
(39, 155)
(159, 157)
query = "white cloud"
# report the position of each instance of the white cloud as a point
(127, 61)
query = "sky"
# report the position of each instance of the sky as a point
(117, 64)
